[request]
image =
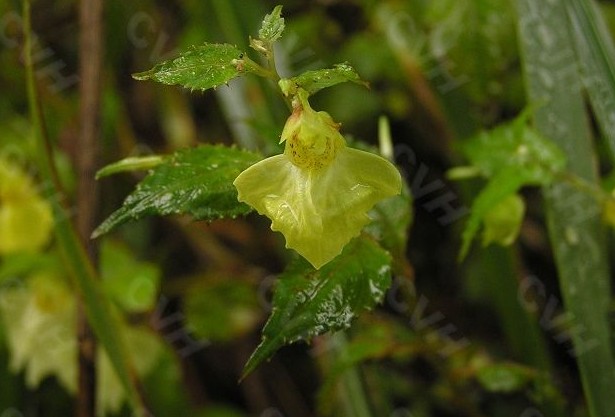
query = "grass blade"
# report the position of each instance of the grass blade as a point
(596, 53)
(553, 80)
(82, 272)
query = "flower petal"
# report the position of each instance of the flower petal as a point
(319, 211)
(26, 222)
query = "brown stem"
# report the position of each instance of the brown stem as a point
(428, 102)
(90, 59)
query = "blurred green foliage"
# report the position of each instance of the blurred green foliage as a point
(487, 337)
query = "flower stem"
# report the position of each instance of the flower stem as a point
(353, 397)
(90, 57)
(78, 265)
(35, 109)
(259, 69)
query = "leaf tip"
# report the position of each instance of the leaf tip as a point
(249, 367)
(97, 233)
(142, 76)
(465, 248)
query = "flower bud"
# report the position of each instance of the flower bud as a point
(312, 138)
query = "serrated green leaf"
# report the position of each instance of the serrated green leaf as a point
(197, 181)
(199, 68)
(517, 145)
(273, 26)
(309, 302)
(316, 80)
(134, 163)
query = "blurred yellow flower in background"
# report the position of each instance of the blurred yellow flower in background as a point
(26, 220)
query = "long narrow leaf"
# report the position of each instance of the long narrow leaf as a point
(596, 54)
(97, 305)
(98, 308)
(553, 80)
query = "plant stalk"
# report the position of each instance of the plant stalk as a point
(78, 265)
(352, 395)
(90, 62)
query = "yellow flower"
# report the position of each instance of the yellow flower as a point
(318, 192)
(25, 218)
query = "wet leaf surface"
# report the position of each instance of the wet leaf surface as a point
(197, 182)
(199, 68)
(309, 302)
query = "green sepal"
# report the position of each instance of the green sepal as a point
(502, 223)
(503, 185)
